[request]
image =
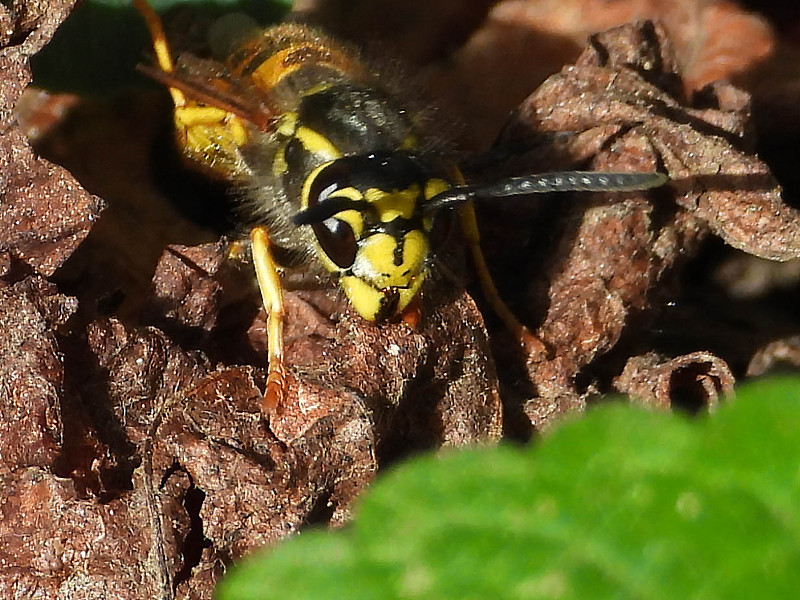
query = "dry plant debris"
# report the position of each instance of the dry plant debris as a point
(621, 107)
(691, 382)
(133, 456)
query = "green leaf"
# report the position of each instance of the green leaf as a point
(97, 48)
(620, 504)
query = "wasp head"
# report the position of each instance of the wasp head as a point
(367, 216)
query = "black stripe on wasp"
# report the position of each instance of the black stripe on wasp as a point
(334, 169)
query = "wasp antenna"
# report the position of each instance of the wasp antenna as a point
(572, 181)
(449, 198)
(325, 210)
(567, 181)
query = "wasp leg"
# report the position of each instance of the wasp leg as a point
(209, 135)
(469, 224)
(160, 45)
(272, 295)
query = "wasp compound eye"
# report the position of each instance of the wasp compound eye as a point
(331, 178)
(322, 201)
(337, 240)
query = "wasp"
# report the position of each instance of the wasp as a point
(334, 169)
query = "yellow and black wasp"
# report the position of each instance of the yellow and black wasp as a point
(335, 170)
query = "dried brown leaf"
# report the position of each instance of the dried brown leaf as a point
(54, 544)
(256, 488)
(691, 382)
(44, 213)
(31, 372)
(219, 478)
(615, 253)
(185, 291)
(783, 352)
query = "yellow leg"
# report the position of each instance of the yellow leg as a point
(207, 132)
(160, 46)
(469, 224)
(272, 295)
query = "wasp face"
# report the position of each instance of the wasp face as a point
(388, 270)
(366, 214)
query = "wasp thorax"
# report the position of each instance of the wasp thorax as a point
(367, 218)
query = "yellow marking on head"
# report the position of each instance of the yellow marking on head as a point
(307, 185)
(375, 259)
(329, 265)
(375, 276)
(348, 192)
(367, 299)
(364, 298)
(411, 292)
(316, 143)
(377, 251)
(353, 218)
(415, 251)
(393, 204)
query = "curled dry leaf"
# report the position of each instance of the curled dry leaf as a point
(690, 382)
(620, 109)
(784, 352)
